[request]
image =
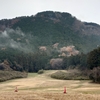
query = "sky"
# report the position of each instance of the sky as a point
(84, 10)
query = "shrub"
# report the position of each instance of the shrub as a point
(69, 75)
(8, 75)
(41, 71)
(95, 75)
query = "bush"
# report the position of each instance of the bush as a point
(70, 75)
(41, 71)
(95, 75)
(8, 75)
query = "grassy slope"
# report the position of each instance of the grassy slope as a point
(42, 87)
(8, 75)
(70, 75)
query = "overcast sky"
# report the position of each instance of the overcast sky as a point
(84, 10)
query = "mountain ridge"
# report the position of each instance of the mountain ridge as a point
(48, 27)
(54, 16)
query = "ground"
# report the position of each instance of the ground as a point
(43, 87)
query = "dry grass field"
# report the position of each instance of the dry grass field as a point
(43, 87)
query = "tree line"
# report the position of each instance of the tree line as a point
(33, 62)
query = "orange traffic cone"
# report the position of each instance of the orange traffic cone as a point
(16, 90)
(64, 89)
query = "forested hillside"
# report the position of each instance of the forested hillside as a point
(47, 40)
(48, 28)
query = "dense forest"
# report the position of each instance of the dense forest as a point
(32, 62)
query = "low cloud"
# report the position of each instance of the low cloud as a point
(14, 39)
(4, 34)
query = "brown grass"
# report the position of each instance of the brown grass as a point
(42, 87)
(46, 96)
